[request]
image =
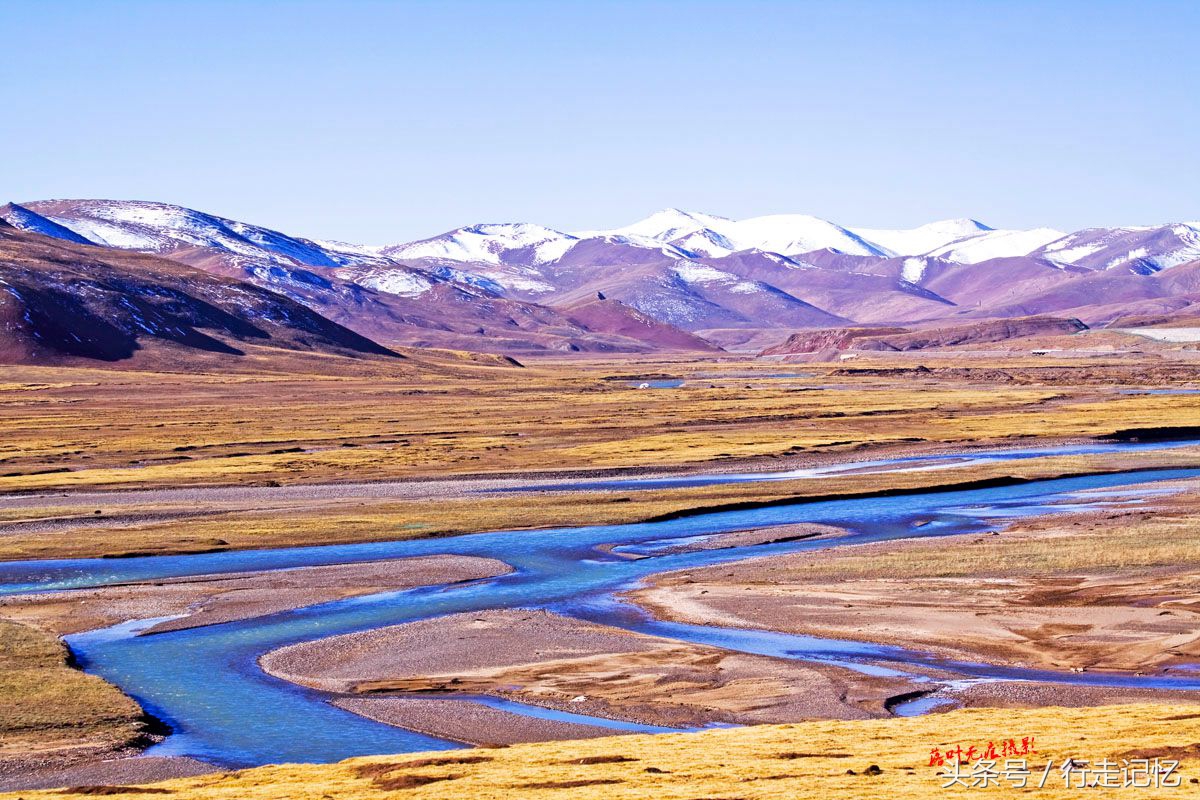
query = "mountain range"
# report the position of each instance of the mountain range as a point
(673, 281)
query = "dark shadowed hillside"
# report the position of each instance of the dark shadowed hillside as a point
(63, 301)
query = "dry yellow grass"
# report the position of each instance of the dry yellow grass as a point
(805, 760)
(77, 428)
(64, 429)
(257, 524)
(45, 705)
(1127, 542)
(71, 428)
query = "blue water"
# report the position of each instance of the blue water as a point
(1160, 391)
(921, 463)
(205, 683)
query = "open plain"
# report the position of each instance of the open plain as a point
(119, 464)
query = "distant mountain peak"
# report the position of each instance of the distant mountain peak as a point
(964, 224)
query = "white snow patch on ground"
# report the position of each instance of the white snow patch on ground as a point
(913, 269)
(397, 282)
(1132, 255)
(110, 235)
(1165, 334)
(518, 282)
(700, 273)
(1070, 255)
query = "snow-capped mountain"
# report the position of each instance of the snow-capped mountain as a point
(994, 244)
(707, 235)
(964, 240)
(1143, 248)
(669, 278)
(924, 239)
(163, 228)
(505, 257)
(490, 244)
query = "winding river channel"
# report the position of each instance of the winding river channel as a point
(205, 682)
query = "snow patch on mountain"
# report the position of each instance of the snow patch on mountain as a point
(490, 244)
(644, 242)
(796, 234)
(1061, 253)
(26, 220)
(347, 254)
(161, 228)
(913, 269)
(793, 234)
(699, 273)
(698, 234)
(518, 282)
(395, 281)
(923, 239)
(708, 235)
(1150, 248)
(997, 244)
(275, 276)
(691, 272)
(112, 235)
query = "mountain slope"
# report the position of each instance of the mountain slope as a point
(163, 228)
(923, 239)
(1147, 249)
(1097, 297)
(23, 218)
(613, 316)
(901, 339)
(62, 301)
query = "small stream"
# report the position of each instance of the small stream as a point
(917, 463)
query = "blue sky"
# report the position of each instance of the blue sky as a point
(381, 122)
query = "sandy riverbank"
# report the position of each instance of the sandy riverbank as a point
(467, 721)
(722, 541)
(132, 770)
(213, 599)
(544, 659)
(1100, 590)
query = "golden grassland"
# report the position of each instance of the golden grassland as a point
(1132, 542)
(73, 428)
(256, 523)
(829, 760)
(45, 704)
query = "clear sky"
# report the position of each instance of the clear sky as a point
(388, 121)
